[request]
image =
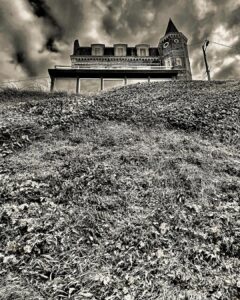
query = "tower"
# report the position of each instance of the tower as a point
(174, 51)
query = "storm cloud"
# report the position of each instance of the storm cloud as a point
(37, 34)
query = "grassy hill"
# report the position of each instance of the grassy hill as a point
(128, 194)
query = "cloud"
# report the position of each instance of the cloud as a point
(41, 10)
(229, 71)
(36, 34)
(20, 36)
(143, 20)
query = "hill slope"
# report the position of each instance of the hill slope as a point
(129, 194)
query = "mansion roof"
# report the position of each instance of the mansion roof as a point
(109, 51)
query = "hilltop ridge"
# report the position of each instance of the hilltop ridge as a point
(127, 194)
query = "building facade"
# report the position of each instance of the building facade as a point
(169, 60)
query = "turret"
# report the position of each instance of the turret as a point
(174, 51)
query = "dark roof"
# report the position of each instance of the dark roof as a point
(153, 52)
(131, 51)
(83, 51)
(109, 51)
(171, 28)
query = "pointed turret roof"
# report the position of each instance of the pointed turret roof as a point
(171, 28)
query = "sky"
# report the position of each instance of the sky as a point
(37, 34)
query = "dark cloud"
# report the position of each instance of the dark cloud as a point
(50, 45)
(69, 17)
(17, 41)
(234, 18)
(42, 10)
(218, 23)
(33, 28)
(229, 72)
(36, 34)
(125, 19)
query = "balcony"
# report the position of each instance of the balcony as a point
(113, 67)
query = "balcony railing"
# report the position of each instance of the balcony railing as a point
(113, 67)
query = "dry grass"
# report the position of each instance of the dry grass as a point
(106, 201)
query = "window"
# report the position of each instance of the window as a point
(178, 61)
(166, 44)
(97, 51)
(142, 52)
(120, 51)
(168, 62)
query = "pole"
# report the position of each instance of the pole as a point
(78, 86)
(52, 84)
(204, 47)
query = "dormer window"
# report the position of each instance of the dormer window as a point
(120, 50)
(97, 49)
(142, 50)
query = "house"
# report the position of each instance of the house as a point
(123, 63)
